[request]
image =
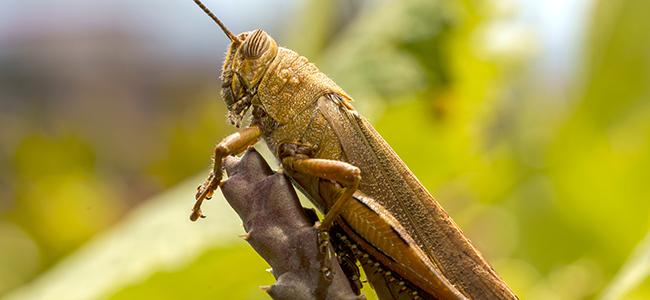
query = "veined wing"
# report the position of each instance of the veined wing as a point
(387, 180)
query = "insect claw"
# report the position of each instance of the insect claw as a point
(327, 273)
(196, 214)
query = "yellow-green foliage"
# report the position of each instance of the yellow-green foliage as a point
(552, 187)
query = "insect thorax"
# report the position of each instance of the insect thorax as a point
(290, 85)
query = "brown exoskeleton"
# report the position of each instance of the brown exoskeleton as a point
(336, 158)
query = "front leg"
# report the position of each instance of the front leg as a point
(232, 144)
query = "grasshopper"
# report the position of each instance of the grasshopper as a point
(337, 159)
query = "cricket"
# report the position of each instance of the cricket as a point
(336, 158)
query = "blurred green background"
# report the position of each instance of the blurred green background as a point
(528, 120)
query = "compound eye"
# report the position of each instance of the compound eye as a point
(255, 44)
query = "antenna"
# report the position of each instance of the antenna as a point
(230, 35)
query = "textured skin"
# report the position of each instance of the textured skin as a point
(293, 102)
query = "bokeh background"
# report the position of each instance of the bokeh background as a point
(528, 120)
